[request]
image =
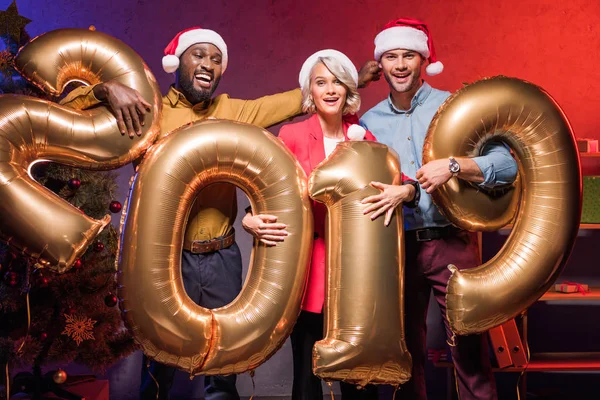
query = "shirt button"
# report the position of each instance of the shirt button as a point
(409, 138)
(407, 115)
(418, 211)
(412, 163)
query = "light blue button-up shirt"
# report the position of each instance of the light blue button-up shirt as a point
(405, 130)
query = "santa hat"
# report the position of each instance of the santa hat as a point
(189, 37)
(409, 34)
(310, 62)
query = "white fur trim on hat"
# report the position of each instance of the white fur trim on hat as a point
(356, 132)
(191, 38)
(310, 62)
(401, 37)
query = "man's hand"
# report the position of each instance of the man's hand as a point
(265, 228)
(434, 174)
(391, 196)
(369, 72)
(126, 103)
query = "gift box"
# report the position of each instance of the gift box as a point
(590, 212)
(93, 390)
(587, 145)
(571, 287)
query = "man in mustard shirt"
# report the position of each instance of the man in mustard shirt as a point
(211, 264)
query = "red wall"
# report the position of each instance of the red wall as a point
(549, 42)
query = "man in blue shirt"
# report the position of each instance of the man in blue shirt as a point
(401, 122)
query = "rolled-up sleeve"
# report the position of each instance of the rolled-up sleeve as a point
(81, 98)
(497, 165)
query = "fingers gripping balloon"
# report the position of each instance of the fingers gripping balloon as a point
(364, 318)
(35, 220)
(547, 218)
(170, 327)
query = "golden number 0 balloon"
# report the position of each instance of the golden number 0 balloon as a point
(364, 319)
(33, 219)
(526, 118)
(170, 327)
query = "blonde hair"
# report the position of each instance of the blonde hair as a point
(352, 104)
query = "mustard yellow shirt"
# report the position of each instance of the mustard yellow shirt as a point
(215, 207)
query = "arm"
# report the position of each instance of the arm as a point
(496, 167)
(269, 110)
(127, 104)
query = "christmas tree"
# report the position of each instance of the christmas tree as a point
(60, 318)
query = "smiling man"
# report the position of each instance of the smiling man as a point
(211, 264)
(403, 48)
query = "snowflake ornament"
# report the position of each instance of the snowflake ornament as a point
(79, 328)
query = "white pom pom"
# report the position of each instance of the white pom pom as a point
(170, 63)
(434, 68)
(356, 132)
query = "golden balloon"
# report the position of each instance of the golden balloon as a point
(34, 220)
(364, 305)
(546, 199)
(169, 326)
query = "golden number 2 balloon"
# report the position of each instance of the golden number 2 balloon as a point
(364, 319)
(547, 220)
(170, 327)
(33, 219)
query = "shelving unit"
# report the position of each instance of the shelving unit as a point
(551, 362)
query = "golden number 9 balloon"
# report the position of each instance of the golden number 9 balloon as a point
(526, 118)
(33, 219)
(170, 327)
(364, 319)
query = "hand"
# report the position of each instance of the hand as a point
(126, 103)
(264, 228)
(433, 175)
(391, 196)
(369, 72)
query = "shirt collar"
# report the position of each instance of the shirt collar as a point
(417, 100)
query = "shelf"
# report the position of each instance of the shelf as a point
(551, 295)
(581, 226)
(550, 362)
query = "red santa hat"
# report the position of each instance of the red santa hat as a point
(188, 37)
(409, 34)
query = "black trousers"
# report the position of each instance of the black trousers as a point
(306, 386)
(211, 280)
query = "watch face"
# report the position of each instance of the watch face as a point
(454, 166)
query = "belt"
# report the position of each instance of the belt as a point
(209, 246)
(428, 234)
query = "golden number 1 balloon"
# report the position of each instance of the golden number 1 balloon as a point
(364, 320)
(547, 220)
(32, 218)
(170, 327)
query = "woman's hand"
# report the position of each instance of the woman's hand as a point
(265, 228)
(126, 103)
(391, 196)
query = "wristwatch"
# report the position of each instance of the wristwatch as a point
(454, 166)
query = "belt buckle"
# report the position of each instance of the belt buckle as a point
(194, 247)
(418, 236)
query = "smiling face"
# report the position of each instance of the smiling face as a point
(199, 72)
(402, 69)
(327, 91)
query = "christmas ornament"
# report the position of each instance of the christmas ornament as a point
(43, 336)
(12, 23)
(79, 328)
(71, 310)
(110, 300)
(99, 246)
(60, 377)
(43, 282)
(77, 264)
(115, 206)
(74, 183)
(11, 278)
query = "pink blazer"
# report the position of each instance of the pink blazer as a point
(305, 140)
